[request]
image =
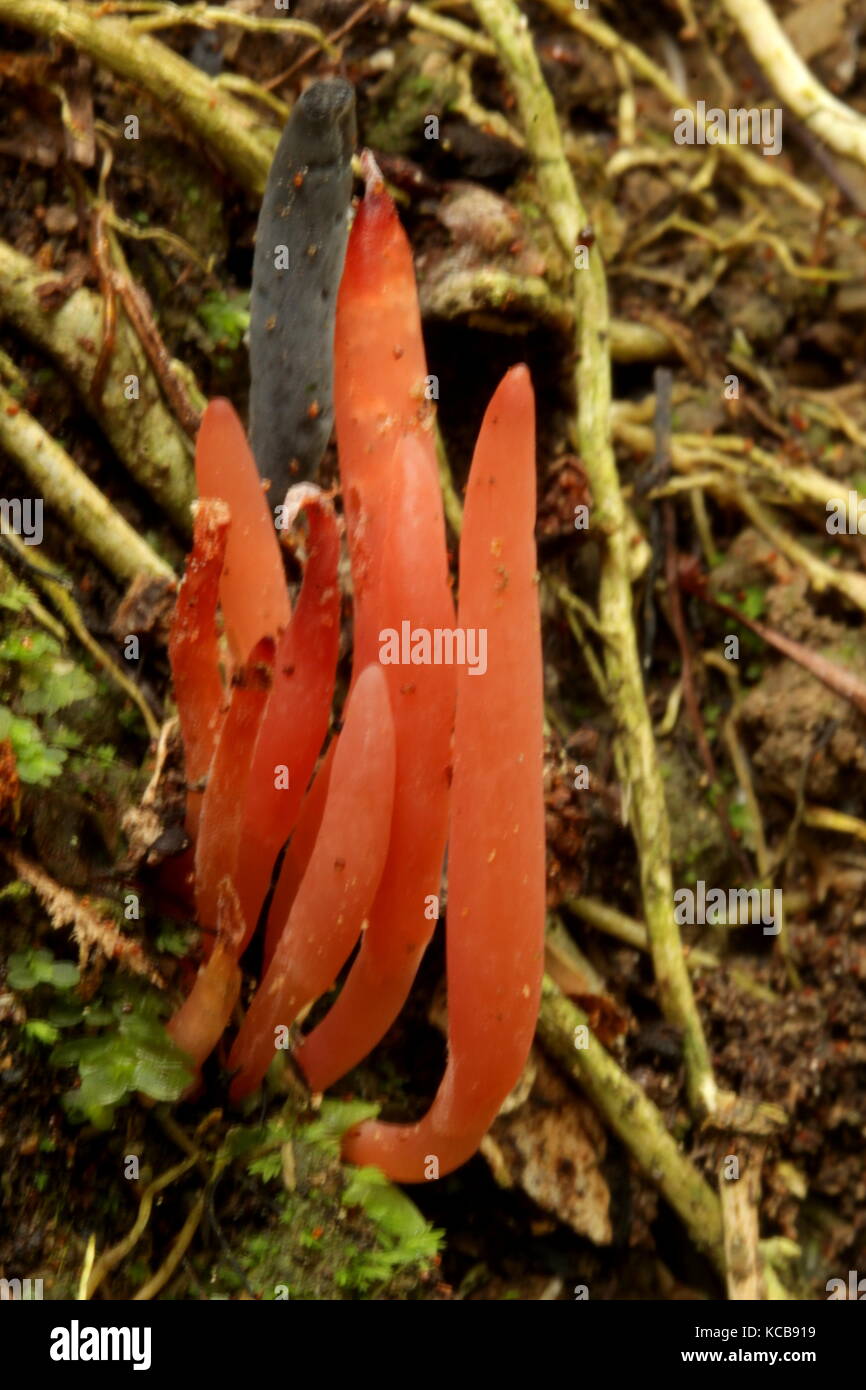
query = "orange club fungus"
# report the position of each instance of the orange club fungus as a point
(427, 756)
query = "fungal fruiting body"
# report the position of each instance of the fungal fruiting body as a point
(199, 1023)
(495, 923)
(234, 729)
(337, 888)
(225, 469)
(399, 560)
(402, 918)
(295, 721)
(299, 851)
(379, 376)
(427, 751)
(193, 651)
(300, 246)
(221, 823)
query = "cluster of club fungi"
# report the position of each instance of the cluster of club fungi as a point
(430, 755)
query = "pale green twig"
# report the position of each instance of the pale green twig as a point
(617, 924)
(634, 1118)
(51, 582)
(446, 28)
(68, 492)
(205, 112)
(765, 172)
(142, 431)
(111, 1258)
(510, 32)
(169, 16)
(838, 125)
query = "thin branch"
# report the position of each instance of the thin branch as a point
(66, 490)
(840, 127)
(175, 1255)
(111, 1258)
(753, 167)
(142, 431)
(510, 32)
(634, 1118)
(203, 111)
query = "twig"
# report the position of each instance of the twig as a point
(818, 743)
(52, 582)
(827, 818)
(663, 382)
(493, 289)
(634, 1118)
(840, 127)
(169, 16)
(821, 575)
(745, 464)
(835, 677)
(740, 239)
(653, 477)
(615, 923)
(162, 1114)
(764, 172)
(245, 86)
(466, 104)
(461, 34)
(86, 1267)
(112, 1257)
(99, 247)
(740, 1198)
(203, 111)
(678, 623)
(743, 774)
(116, 282)
(354, 18)
(35, 607)
(627, 105)
(143, 433)
(213, 1221)
(579, 615)
(162, 234)
(69, 492)
(510, 32)
(142, 320)
(175, 1255)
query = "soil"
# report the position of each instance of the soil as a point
(554, 1201)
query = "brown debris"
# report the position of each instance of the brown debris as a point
(552, 1146)
(91, 931)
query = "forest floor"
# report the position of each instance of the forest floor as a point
(737, 300)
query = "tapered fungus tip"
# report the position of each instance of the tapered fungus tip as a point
(224, 469)
(220, 408)
(219, 416)
(374, 182)
(376, 235)
(519, 375)
(515, 388)
(512, 405)
(219, 420)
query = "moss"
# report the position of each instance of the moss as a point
(336, 1232)
(193, 209)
